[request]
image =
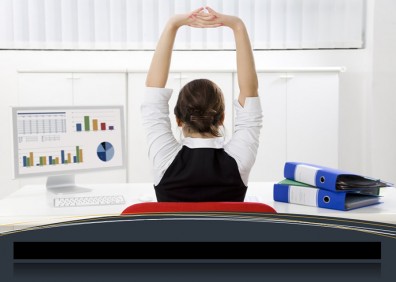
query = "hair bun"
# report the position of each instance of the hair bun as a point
(200, 106)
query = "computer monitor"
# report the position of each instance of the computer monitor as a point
(59, 142)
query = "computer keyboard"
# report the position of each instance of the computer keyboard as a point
(89, 201)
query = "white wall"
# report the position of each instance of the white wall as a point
(383, 98)
(357, 145)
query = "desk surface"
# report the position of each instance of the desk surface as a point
(31, 205)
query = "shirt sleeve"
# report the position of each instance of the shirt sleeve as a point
(162, 145)
(244, 142)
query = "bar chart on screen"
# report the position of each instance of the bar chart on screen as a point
(36, 157)
(83, 122)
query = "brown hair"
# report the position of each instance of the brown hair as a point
(200, 106)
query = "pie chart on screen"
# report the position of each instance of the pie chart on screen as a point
(105, 151)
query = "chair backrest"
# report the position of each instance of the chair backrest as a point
(155, 207)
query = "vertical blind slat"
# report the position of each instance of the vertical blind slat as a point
(293, 24)
(85, 20)
(278, 24)
(53, 25)
(6, 24)
(310, 23)
(134, 19)
(339, 30)
(117, 24)
(150, 22)
(102, 23)
(324, 26)
(355, 21)
(261, 21)
(21, 29)
(36, 23)
(69, 24)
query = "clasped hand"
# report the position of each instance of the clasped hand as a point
(205, 17)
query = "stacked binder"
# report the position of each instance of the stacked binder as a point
(313, 185)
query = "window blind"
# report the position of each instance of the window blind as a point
(137, 24)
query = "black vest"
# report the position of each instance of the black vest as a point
(201, 175)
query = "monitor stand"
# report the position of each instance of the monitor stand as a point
(64, 184)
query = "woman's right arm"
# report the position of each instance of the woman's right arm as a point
(244, 143)
(246, 70)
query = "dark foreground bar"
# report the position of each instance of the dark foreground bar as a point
(180, 272)
(197, 250)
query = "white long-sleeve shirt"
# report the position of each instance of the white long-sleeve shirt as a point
(163, 146)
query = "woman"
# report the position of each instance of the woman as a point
(201, 167)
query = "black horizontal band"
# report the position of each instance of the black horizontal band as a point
(197, 250)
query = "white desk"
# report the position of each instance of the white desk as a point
(30, 206)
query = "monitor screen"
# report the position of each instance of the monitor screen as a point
(62, 140)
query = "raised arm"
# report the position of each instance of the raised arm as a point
(244, 142)
(247, 76)
(157, 75)
(246, 70)
(159, 69)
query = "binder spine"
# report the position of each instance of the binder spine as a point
(309, 196)
(306, 174)
(312, 175)
(296, 195)
(303, 196)
(301, 172)
(288, 171)
(281, 193)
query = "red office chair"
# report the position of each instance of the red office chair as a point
(155, 207)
